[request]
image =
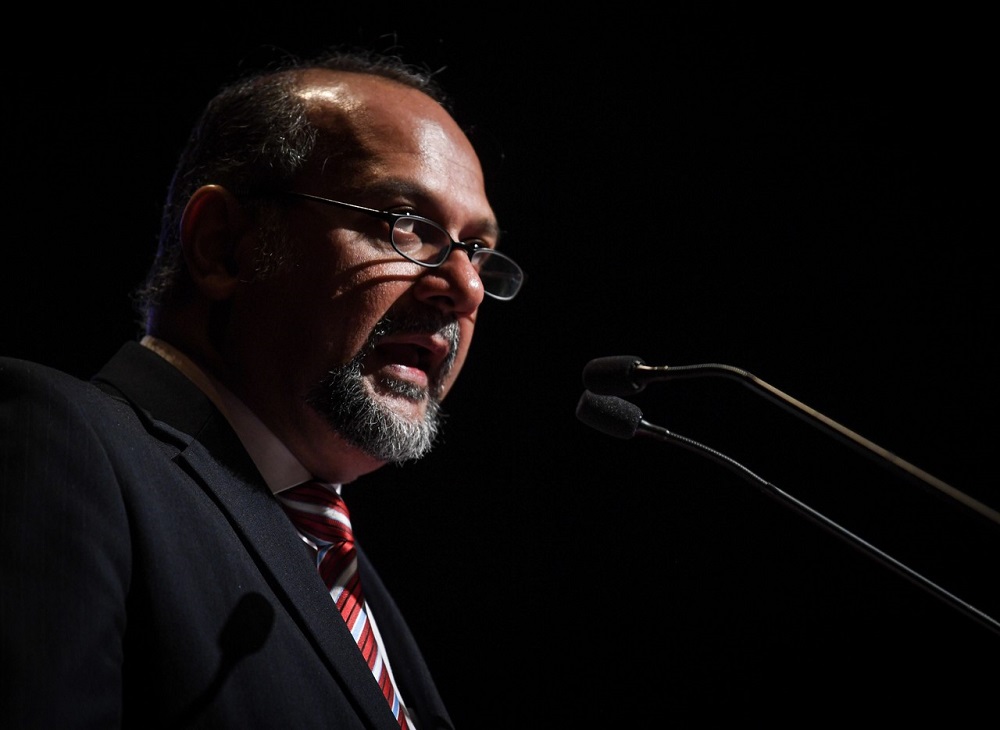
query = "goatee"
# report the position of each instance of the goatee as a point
(347, 404)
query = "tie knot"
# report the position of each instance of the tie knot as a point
(317, 510)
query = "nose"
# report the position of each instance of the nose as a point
(453, 287)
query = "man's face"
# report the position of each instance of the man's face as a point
(354, 336)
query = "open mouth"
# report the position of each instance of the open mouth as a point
(406, 354)
(418, 359)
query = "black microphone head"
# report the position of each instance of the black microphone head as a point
(613, 375)
(609, 415)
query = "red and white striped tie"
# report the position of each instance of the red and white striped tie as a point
(319, 514)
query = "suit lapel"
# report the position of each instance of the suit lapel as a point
(416, 685)
(273, 544)
(212, 454)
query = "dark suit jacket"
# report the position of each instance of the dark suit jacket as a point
(150, 578)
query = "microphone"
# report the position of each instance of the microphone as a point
(624, 375)
(610, 415)
(613, 375)
(616, 417)
(620, 419)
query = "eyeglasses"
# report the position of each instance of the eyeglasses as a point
(426, 243)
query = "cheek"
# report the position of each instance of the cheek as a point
(343, 294)
(319, 315)
(363, 294)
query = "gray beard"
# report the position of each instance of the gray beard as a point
(344, 402)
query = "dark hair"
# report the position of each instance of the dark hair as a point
(254, 137)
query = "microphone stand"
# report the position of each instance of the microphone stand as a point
(810, 415)
(649, 430)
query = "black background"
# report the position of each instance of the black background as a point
(804, 197)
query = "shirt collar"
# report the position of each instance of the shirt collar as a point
(276, 463)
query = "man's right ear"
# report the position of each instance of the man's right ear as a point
(213, 229)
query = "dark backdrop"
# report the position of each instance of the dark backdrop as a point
(804, 198)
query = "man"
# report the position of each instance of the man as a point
(326, 244)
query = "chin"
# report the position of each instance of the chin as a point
(402, 398)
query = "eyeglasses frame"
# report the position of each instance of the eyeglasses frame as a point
(391, 218)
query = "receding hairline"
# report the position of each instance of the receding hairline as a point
(343, 88)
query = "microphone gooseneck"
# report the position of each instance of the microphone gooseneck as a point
(616, 417)
(624, 375)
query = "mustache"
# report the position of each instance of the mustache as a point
(407, 323)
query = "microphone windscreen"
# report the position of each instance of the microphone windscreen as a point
(609, 415)
(612, 375)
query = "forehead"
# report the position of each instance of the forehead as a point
(378, 126)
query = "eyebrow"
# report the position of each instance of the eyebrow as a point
(419, 194)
